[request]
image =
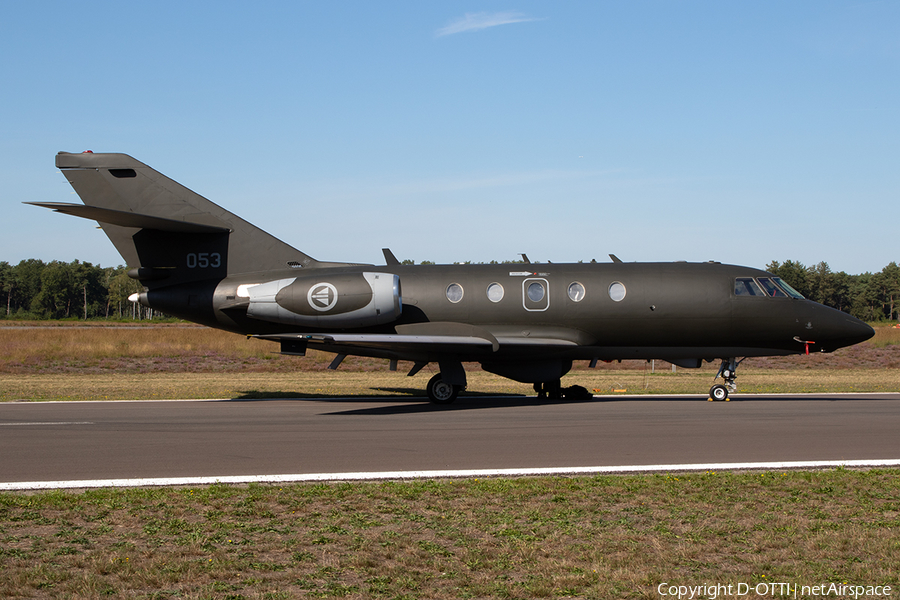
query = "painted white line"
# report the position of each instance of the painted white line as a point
(368, 476)
(48, 423)
(145, 401)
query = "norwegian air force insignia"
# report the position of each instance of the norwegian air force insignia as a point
(322, 296)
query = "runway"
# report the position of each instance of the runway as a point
(82, 441)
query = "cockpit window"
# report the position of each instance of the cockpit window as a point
(772, 288)
(787, 288)
(747, 286)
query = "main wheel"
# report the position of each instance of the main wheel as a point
(441, 392)
(718, 392)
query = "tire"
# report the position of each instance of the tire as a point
(440, 392)
(718, 392)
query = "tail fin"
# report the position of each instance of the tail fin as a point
(177, 229)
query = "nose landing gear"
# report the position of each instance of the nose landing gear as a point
(728, 373)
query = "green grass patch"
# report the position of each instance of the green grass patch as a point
(550, 537)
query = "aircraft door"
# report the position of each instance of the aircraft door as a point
(535, 294)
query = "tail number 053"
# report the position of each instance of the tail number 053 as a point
(204, 260)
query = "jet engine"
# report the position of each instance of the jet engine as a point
(334, 301)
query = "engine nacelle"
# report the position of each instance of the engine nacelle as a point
(330, 301)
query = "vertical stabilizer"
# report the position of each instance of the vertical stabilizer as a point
(118, 182)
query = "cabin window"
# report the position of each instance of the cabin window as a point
(576, 292)
(536, 291)
(771, 288)
(495, 292)
(747, 286)
(786, 287)
(617, 291)
(454, 292)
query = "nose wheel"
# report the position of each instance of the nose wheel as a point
(718, 392)
(728, 373)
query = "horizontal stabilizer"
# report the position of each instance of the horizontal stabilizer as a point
(128, 219)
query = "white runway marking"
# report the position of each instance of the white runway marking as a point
(368, 476)
(48, 423)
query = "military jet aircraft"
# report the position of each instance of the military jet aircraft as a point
(526, 322)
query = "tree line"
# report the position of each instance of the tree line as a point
(869, 296)
(34, 289)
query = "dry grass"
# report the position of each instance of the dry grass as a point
(886, 335)
(590, 537)
(72, 363)
(48, 349)
(306, 384)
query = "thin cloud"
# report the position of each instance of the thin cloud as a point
(482, 20)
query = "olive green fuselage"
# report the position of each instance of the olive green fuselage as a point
(674, 311)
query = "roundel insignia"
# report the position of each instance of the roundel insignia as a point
(322, 296)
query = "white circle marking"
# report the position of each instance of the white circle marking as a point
(322, 296)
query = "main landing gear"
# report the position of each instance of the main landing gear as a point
(441, 392)
(549, 389)
(553, 390)
(728, 372)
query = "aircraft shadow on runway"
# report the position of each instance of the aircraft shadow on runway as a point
(394, 394)
(484, 401)
(411, 401)
(402, 400)
(463, 402)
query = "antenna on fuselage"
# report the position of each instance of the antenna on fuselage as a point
(389, 257)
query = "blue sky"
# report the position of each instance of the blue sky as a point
(739, 132)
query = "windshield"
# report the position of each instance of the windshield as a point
(771, 288)
(787, 288)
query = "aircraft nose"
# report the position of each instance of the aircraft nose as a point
(837, 329)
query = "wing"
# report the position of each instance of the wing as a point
(419, 342)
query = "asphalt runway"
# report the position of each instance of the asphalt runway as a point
(169, 439)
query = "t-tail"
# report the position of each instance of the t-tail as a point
(169, 236)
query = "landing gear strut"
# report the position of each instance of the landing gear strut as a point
(728, 372)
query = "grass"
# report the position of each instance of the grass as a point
(306, 384)
(588, 537)
(886, 335)
(94, 363)
(591, 537)
(187, 348)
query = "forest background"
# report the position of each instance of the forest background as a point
(34, 289)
